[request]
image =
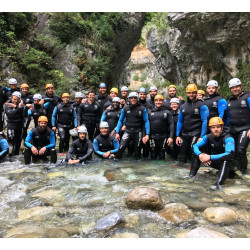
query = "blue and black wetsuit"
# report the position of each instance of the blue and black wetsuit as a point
(191, 125)
(136, 117)
(222, 150)
(239, 124)
(111, 116)
(40, 138)
(4, 147)
(11, 91)
(104, 143)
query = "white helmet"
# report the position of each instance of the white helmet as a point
(104, 125)
(37, 96)
(17, 94)
(175, 100)
(153, 88)
(234, 82)
(213, 83)
(78, 95)
(133, 94)
(116, 99)
(73, 132)
(82, 129)
(12, 81)
(124, 88)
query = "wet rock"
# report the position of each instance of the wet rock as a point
(35, 213)
(56, 233)
(26, 231)
(131, 220)
(125, 235)
(71, 230)
(113, 174)
(144, 198)
(220, 215)
(110, 221)
(156, 178)
(236, 190)
(201, 232)
(50, 197)
(218, 200)
(86, 228)
(198, 205)
(176, 213)
(126, 170)
(56, 175)
(244, 215)
(151, 230)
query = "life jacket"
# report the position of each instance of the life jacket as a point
(65, 115)
(112, 117)
(212, 103)
(105, 142)
(38, 111)
(89, 113)
(41, 138)
(102, 99)
(145, 104)
(27, 99)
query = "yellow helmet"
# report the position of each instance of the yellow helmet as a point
(115, 90)
(191, 88)
(215, 121)
(49, 85)
(65, 95)
(200, 91)
(159, 97)
(172, 86)
(42, 119)
(25, 85)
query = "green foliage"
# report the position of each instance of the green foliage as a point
(136, 77)
(143, 76)
(146, 86)
(244, 73)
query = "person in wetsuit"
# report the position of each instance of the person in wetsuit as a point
(172, 93)
(142, 94)
(13, 88)
(153, 91)
(222, 147)
(192, 124)
(124, 101)
(113, 93)
(3, 99)
(40, 142)
(239, 122)
(136, 117)
(200, 94)
(80, 150)
(4, 146)
(102, 97)
(105, 145)
(63, 119)
(89, 114)
(161, 128)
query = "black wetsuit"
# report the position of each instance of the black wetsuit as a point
(111, 116)
(37, 111)
(167, 103)
(102, 100)
(9, 93)
(161, 128)
(3, 99)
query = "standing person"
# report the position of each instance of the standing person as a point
(13, 88)
(216, 104)
(80, 150)
(136, 117)
(105, 145)
(239, 122)
(3, 99)
(161, 128)
(89, 114)
(113, 93)
(78, 100)
(192, 123)
(4, 146)
(14, 111)
(172, 93)
(221, 144)
(200, 94)
(40, 142)
(111, 116)
(142, 94)
(153, 91)
(103, 96)
(53, 99)
(124, 96)
(64, 115)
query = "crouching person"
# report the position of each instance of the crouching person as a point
(4, 146)
(222, 146)
(105, 145)
(40, 142)
(80, 150)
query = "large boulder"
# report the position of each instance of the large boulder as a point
(110, 221)
(144, 198)
(200, 232)
(176, 213)
(220, 215)
(26, 231)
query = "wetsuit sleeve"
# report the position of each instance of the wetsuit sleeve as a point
(103, 116)
(116, 146)
(248, 103)
(4, 146)
(222, 107)
(229, 149)
(204, 112)
(53, 119)
(11, 112)
(89, 152)
(96, 148)
(120, 122)
(46, 105)
(29, 113)
(179, 124)
(146, 120)
(70, 151)
(199, 144)
(75, 117)
(52, 140)
(28, 140)
(171, 125)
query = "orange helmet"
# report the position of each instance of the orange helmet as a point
(191, 88)
(42, 119)
(25, 85)
(215, 121)
(49, 85)
(159, 97)
(65, 95)
(200, 91)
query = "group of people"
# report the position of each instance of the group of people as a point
(205, 129)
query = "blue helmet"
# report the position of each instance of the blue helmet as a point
(142, 90)
(102, 85)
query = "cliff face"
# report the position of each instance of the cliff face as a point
(201, 46)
